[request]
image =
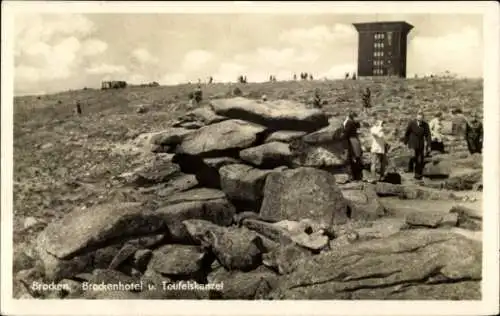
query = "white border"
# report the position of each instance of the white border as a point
(490, 301)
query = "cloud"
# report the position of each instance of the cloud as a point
(143, 56)
(50, 47)
(106, 69)
(339, 71)
(94, 47)
(173, 79)
(196, 59)
(459, 52)
(229, 71)
(319, 35)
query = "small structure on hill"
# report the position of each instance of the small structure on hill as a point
(113, 85)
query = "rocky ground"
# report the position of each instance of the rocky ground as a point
(253, 194)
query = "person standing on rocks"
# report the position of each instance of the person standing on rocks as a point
(353, 146)
(418, 138)
(367, 99)
(379, 150)
(198, 95)
(317, 100)
(435, 126)
(474, 135)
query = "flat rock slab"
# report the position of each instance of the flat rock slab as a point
(399, 207)
(464, 180)
(179, 260)
(284, 136)
(303, 193)
(205, 115)
(431, 219)
(277, 115)
(239, 285)
(401, 266)
(82, 230)
(268, 155)
(328, 134)
(170, 136)
(220, 137)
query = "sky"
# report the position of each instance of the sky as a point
(61, 51)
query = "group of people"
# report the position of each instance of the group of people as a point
(420, 137)
(347, 75)
(304, 76)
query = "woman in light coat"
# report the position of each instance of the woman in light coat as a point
(379, 149)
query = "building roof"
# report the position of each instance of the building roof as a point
(383, 26)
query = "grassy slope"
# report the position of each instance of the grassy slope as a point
(62, 161)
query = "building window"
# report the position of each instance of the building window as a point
(389, 38)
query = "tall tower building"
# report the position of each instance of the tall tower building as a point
(382, 48)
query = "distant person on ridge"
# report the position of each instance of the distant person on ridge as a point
(418, 138)
(474, 135)
(353, 146)
(294, 77)
(78, 108)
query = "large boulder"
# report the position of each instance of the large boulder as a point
(431, 219)
(207, 204)
(437, 169)
(328, 134)
(236, 248)
(269, 155)
(412, 264)
(468, 218)
(303, 193)
(463, 180)
(364, 204)
(82, 230)
(327, 156)
(221, 139)
(276, 115)
(206, 170)
(244, 185)
(66, 247)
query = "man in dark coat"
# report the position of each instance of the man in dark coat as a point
(418, 138)
(474, 135)
(353, 146)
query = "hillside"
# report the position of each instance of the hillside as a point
(64, 162)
